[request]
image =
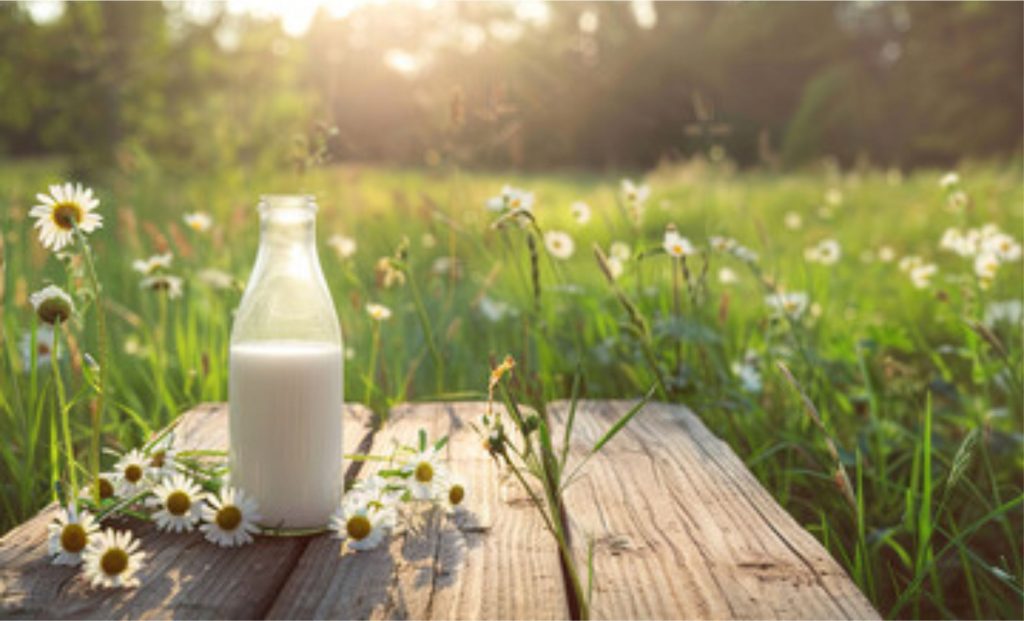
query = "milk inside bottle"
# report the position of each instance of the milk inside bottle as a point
(285, 377)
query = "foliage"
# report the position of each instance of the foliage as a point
(903, 84)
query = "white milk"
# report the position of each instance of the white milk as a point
(286, 429)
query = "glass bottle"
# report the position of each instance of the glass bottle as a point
(285, 381)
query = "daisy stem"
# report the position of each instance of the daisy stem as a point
(676, 269)
(372, 367)
(101, 330)
(65, 423)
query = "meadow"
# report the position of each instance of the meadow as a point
(897, 442)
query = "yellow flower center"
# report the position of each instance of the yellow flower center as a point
(677, 249)
(73, 538)
(358, 527)
(514, 203)
(157, 459)
(66, 215)
(631, 196)
(114, 561)
(456, 493)
(424, 472)
(133, 473)
(106, 488)
(229, 517)
(178, 502)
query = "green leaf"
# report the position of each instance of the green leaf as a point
(623, 421)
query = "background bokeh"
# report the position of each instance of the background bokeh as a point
(528, 85)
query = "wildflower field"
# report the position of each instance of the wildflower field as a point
(856, 337)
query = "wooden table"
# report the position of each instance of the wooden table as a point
(681, 529)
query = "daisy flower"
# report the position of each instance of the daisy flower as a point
(63, 209)
(360, 525)
(559, 244)
(162, 456)
(378, 312)
(886, 254)
(130, 472)
(180, 503)
(113, 559)
(153, 264)
(1003, 246)
(721, 244)
(827, 252)
(986, 265)
(511, 199)
(921, 274)
(454, 493)
(676, 245)
(949, 180)
(726, 276)
(792, 220)
(791, 304)
(70, 535)
(635, 194)
(107, 482)
(344, 246)
(52, 304)
(580, 212)
(43, 347)
(425, 474)
(172, 285)
(198, 221)
(230, 518)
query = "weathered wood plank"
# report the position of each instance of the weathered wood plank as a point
(183, 576)
(496, 562)
(683, 530)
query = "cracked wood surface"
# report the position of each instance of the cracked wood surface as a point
(682, 529)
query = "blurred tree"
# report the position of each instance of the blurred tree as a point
(581, 84)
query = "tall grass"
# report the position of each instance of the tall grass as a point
(909, 470)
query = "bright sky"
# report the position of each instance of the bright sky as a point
(295, 15)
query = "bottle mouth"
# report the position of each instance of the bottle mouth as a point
(305, 202)
(287, 207)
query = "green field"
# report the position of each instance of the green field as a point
(919, 388)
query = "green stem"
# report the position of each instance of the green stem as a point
(676, 304)
(101, 328)
(372, 368)
(65, 423)
(554, 524)
(428, 333)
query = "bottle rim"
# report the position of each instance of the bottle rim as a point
(305, 202)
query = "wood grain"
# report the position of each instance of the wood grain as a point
(681, 529)
(495, 561)
(183, 576)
